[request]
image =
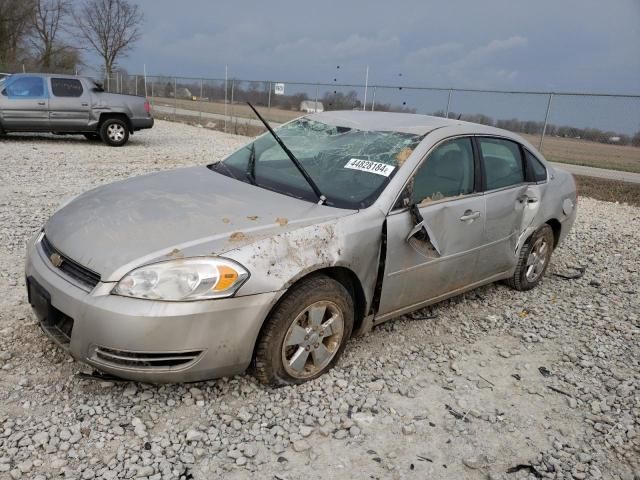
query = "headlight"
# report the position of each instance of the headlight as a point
(197, 278)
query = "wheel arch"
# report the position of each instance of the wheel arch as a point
(122, 116)
(556, 227)
(343, 275)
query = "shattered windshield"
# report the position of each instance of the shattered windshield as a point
(351, 167)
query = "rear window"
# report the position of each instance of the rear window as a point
(66, 87)
(25, 88)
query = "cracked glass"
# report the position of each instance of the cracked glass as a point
(351, 167)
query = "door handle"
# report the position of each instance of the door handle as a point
(469, 216)
(42, 103)
(85, 104)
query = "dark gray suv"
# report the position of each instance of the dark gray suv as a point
(65, 104)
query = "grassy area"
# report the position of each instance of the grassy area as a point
(237, 109)
(608, 190)
(590, 154)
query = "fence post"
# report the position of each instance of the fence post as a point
(233, 84)
(136, 85)
(546, 120)
(226, 72)
(200, 99)
(269, 99)
(373, 100)
(175, 97)
(448, 103)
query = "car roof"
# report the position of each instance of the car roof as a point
(408, 123)
(48, 75)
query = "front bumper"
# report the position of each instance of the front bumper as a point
(144, 340)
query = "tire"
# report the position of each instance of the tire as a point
(299, 318)
(114, 132)
(534, 259)
(92, 137)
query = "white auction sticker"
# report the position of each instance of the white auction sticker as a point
(369, 166)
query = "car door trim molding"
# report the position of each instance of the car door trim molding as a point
(452, 293)
(448, 257)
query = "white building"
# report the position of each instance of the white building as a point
(311, 106)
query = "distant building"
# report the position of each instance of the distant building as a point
(614, 139)
(311, 106)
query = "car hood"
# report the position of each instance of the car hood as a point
(172, 214)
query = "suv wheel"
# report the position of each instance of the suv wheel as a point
(534, 259)
(306, 333)
(114, 132)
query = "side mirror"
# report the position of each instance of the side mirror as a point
(4, 92)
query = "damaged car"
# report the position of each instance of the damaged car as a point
(271, 259)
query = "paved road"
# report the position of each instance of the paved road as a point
(599, 172)
(575, 169)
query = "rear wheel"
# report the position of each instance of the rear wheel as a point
(114, 132)
(534, 259)
(306, 333)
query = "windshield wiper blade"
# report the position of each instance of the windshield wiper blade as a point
(251, 165)
(293, 158)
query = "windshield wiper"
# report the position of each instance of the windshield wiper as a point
(251, 165)
(293, 158)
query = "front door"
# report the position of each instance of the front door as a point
(24, 103)
(431, 264)
(68, 105)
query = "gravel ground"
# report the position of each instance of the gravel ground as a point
(545, 383)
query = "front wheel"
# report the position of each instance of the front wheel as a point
(534, 259)
(114, 132)
(306, 333)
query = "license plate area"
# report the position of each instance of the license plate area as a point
(55, 323)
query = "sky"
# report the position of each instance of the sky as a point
(559, 45)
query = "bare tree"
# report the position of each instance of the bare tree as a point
(14, 27)
(110, 27)
(48, 21)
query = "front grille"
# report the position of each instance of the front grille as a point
(69, 267)
(155, 360)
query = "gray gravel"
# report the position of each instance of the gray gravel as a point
(452, 392)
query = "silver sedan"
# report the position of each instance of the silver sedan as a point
(273, 258)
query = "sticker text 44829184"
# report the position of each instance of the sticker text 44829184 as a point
(369, 166)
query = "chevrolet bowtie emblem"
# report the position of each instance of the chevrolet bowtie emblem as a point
(56, 260)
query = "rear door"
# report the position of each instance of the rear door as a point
(446, 193)
(68, 105)
(24, 104)
(507, 196)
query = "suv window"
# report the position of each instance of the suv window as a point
(537, 169)
(502, 162)
(448, 171)
(66, 87)
(25, 87)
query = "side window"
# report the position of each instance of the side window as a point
(448, 171)
(537, 169)
(502, 162)
(66, 87)
(25, 88)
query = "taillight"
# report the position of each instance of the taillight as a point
(147, 106)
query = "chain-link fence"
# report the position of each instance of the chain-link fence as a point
(601, 130)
